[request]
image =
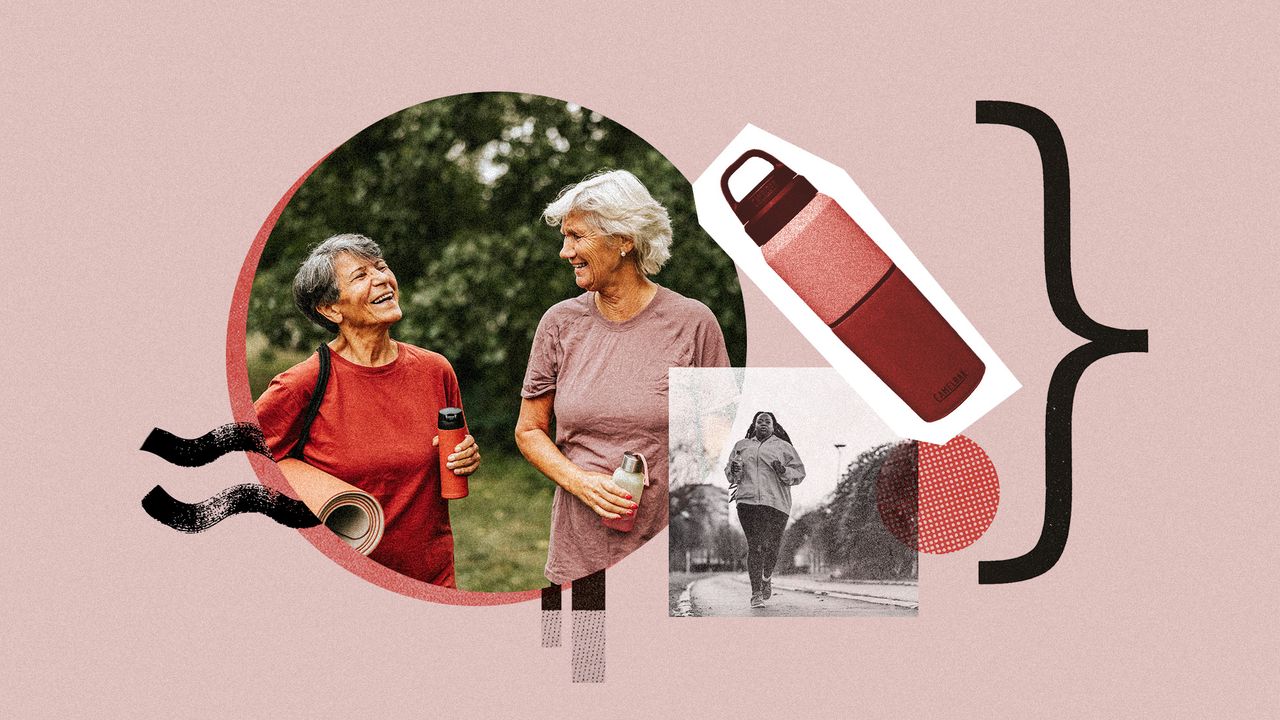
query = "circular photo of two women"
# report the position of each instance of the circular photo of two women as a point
(458, 340)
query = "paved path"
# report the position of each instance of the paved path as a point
(891, 593)
(729, 595)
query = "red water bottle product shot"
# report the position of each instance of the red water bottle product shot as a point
(817, 249)
(453, 430)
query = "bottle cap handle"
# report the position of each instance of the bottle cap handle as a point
(773, 202)
(733, 167)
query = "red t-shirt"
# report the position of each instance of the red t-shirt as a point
(374, 431)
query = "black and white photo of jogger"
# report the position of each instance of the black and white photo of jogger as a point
(775, 476)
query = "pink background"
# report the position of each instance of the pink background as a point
(142, 150)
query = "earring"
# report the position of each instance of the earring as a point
(622, 253)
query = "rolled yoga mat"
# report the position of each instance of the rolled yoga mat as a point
(351, 513)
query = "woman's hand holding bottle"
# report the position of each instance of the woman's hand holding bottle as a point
(600, 494)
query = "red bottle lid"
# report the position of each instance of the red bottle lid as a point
(773, 202)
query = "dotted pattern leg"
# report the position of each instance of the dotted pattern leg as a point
(551, 628)
(588, 646)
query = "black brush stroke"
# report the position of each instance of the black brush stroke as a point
(247, 498)
(1103, 341)
(229, 438)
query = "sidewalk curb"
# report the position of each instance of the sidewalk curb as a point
(865, 598)
(684, 606)
(878, 599)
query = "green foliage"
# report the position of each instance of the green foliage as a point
(266, 361)
(453, 191)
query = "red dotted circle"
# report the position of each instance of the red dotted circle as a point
(938, 498)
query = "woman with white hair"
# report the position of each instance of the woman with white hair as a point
(376, 425)
(599, 366)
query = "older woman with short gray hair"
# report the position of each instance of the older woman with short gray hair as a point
(376, 426)
(599, 366)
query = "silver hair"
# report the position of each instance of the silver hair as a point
(615, 202)
(316, 283)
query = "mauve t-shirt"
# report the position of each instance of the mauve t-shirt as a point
(610, 381)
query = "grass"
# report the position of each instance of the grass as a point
(500, 529)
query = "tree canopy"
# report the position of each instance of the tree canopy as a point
(453, 190)
(846, 535)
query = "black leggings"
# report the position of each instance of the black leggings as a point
(763, 527)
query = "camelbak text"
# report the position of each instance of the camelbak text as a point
(950, 387)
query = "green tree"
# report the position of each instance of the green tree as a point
(453, 190)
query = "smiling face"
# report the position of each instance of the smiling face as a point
(367, 293)
(764, 426)
(594, 257)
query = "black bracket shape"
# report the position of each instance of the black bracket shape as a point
(1103, 341)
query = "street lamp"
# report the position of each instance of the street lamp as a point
(821, 561)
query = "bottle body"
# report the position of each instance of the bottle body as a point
(849, 282)
(875, 310)
(826, 258)
(452, 431)
(630, 478)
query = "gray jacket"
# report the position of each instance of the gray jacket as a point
(760, 482)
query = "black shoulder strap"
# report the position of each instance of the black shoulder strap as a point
(317, 397)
